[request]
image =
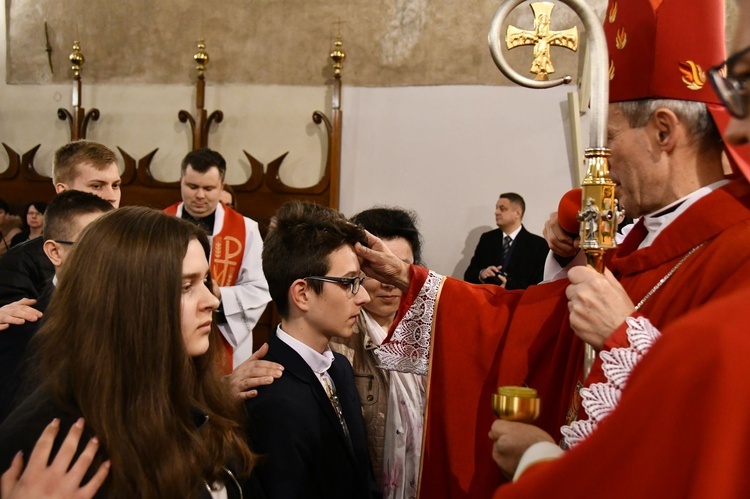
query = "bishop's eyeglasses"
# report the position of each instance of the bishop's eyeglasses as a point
(352, 282)
(730, 87)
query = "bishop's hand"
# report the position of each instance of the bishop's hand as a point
(511, 440)
(558, 239)
(598, 304)
(379, 262)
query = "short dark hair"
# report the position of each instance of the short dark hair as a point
(203, 159)
(299, 242)
(391, 223)
(515, 198)
(4, 206)
(72, 154)
(40, 206)
(59, 219)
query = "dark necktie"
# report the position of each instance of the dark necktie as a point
(507, 241)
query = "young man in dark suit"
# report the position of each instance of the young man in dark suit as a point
(509, 256)
(67, 215)
(307, 426)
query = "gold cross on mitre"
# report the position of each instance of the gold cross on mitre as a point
(542, 39)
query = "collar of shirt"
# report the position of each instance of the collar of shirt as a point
(374, 333)
(318, 362)
(658, 221)
(514, 233)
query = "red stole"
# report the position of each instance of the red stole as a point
(227, 250)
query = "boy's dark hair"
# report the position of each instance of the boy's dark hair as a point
(299, 242)
(59, 219)
(391, 223)
(203, 160)
(4, 206)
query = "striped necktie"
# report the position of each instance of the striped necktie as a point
(507, 241)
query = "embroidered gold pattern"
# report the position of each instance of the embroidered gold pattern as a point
(611, 69)
(613, 13)
(621, 39)
(693, 75)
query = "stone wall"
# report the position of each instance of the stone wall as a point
(286, 42)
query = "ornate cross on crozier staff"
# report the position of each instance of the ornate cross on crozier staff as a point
(542, 38)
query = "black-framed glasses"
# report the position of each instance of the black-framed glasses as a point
(354, 283)
(732, 89)
(67, 243)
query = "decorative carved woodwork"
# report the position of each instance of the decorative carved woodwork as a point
(79, 120)
(259, 197)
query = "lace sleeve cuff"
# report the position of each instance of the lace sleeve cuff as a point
(600, 399)
(408, 348)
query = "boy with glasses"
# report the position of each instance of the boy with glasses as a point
(308, 423)
(67, 215)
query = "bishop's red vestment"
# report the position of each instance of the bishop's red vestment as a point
(682, 426)
(477, 337)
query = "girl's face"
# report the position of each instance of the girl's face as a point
(198, 302)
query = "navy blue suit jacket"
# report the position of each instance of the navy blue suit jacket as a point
(292, 424)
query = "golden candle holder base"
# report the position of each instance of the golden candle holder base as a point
(516, 403)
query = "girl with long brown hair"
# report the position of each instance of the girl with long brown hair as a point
(129, 345)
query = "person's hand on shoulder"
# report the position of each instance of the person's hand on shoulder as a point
(252, 373)
(18, 313)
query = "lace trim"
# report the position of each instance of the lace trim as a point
(600, 399)
(408, 349)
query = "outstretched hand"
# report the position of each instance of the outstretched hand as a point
(379, 262)
(62, 478)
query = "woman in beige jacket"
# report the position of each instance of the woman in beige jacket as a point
(392, 402)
